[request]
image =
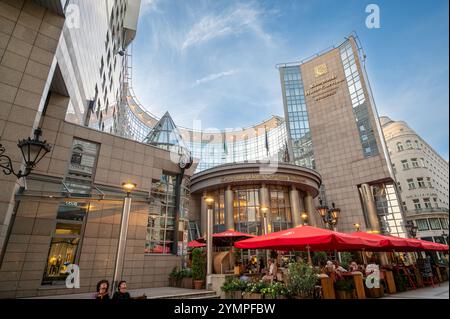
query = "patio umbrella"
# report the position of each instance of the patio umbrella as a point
(429, 245)
(308, 238)
(389, 243)
(226, 238)
(195, 244)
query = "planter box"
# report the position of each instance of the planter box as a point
(344, 294)
(233, 294)
(187, 283)
(252, 296)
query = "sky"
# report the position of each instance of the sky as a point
(214, 60)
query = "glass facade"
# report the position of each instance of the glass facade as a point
(389, 210)
(297, 117)
(359, 101)
(162, 215)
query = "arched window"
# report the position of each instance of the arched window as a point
(76, 154)
(417, 144)
(399, 146)
(408, 144)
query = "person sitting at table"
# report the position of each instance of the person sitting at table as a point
(355, 267)
(330, 270)
(339, 269)
(261, 265)
(271, 271)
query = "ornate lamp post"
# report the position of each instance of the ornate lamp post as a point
(33, 150)
(330, 216)
(411, 228)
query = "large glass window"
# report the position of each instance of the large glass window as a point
(280, 208)
(422, 224)
(389, 210)
(64, 247)
(161, 218)
(435, 224)
(444, 223)
(246, 210)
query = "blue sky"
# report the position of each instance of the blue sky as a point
(215, 60)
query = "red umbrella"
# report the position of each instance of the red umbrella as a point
(307, 238)
(195, 244)
(429, 245)
(226, 238)
(388, 243)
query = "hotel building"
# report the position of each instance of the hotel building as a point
(65, 69)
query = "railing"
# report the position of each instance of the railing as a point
(429, 210)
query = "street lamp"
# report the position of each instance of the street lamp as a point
(33, 150)
(304, 216)
(357, 226)
(128, 187)
(209, 230)
(411, 228)
(330, 216)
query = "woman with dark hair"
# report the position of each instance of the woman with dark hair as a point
(121, 292)
(102, 290)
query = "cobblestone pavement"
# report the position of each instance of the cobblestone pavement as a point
(438, 292)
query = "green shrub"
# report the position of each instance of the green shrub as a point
(275, 290)
(302, 280)
(346, 259)
(198, 264)
(234, 284)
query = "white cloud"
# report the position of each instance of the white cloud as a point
(214, 76)
(149, 5)
(241, 19)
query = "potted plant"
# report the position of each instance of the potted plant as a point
(302, 280)
(174, 277)
(186, 278)
(344, 289)
(275, 290)
(253, 290)
(233, 288)
(198, 268)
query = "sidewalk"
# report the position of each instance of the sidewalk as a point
(438, 292)
(151, 293)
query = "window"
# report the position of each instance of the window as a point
(399, 146)
(411, 184)
(399, 186)
(416, 204)
(435, 202)
(405, 164)
(421, 182)
(405, 208)
(161, 218)
(427, 203)
(414, 162)
(409, 145)
(435, 224)
(417, 144)
(444, 223)
(429, 182)
(422, 224)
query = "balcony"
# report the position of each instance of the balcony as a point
(428, 210)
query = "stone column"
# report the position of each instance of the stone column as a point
(228, 209)
(264, 201)
(310, 209)
(370, 207)
(203, 215)
(295, 207)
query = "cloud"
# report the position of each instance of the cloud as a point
(239, 20)
(149, 5)
(214, 76)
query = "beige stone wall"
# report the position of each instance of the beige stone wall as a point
(119, 159)
(28, 38)
(337, 147)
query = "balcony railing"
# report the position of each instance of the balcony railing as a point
(428, 210)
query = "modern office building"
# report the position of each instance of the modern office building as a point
(65, 68)
(330, 125)
(422, 178)
(61, 70)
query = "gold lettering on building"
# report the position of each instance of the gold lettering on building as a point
(325, 88)
(253, 177)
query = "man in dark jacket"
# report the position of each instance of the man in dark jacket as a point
(121, 292)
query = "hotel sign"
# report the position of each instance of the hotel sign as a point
(324, 88)
(265, 177)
